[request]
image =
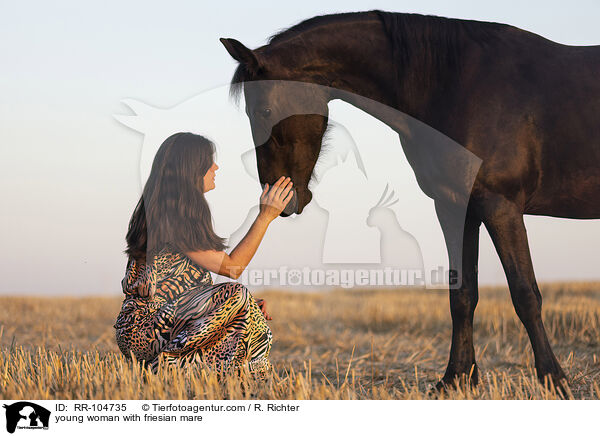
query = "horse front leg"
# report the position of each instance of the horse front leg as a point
(504, 222)
(462, 241)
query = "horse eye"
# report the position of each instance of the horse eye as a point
(266, 113)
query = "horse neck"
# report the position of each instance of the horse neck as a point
(333, 55)
(344, 51)
(413, 61)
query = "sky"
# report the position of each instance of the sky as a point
(71, 172)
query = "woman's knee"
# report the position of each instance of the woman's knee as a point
(239, 293)
(233, 293)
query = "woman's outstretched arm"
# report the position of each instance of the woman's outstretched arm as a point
(272, 202)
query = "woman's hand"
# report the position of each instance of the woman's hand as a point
(274, 200)
(263, 308)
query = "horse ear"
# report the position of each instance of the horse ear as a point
(241, 53)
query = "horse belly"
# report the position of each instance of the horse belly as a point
(572, 193)
(578, 205)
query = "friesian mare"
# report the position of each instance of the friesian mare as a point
(526, 106)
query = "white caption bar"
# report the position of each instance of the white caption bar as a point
(159, 417)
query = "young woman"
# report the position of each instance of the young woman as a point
(171, 307)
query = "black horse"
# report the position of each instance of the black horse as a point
(526, 106)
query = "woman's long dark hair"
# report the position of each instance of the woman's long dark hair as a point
(172, 208)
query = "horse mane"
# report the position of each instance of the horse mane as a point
(311, 23)
(424, 31)
(438, 44)
(242, 74)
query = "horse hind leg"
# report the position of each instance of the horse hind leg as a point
(462, 240)
(504, 222)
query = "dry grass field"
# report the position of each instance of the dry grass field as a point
(335, 345)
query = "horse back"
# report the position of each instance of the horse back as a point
(532, 113)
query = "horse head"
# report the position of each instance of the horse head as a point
(288, 116)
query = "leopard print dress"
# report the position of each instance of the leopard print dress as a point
(172, 309)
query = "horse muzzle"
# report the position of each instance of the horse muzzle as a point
(299, 200)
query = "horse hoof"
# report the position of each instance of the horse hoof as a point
(447, 384)
(435, 391)
(560, 385)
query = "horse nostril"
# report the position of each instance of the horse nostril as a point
(306, 198)
(292, 206)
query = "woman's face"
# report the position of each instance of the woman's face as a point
(209, 178)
